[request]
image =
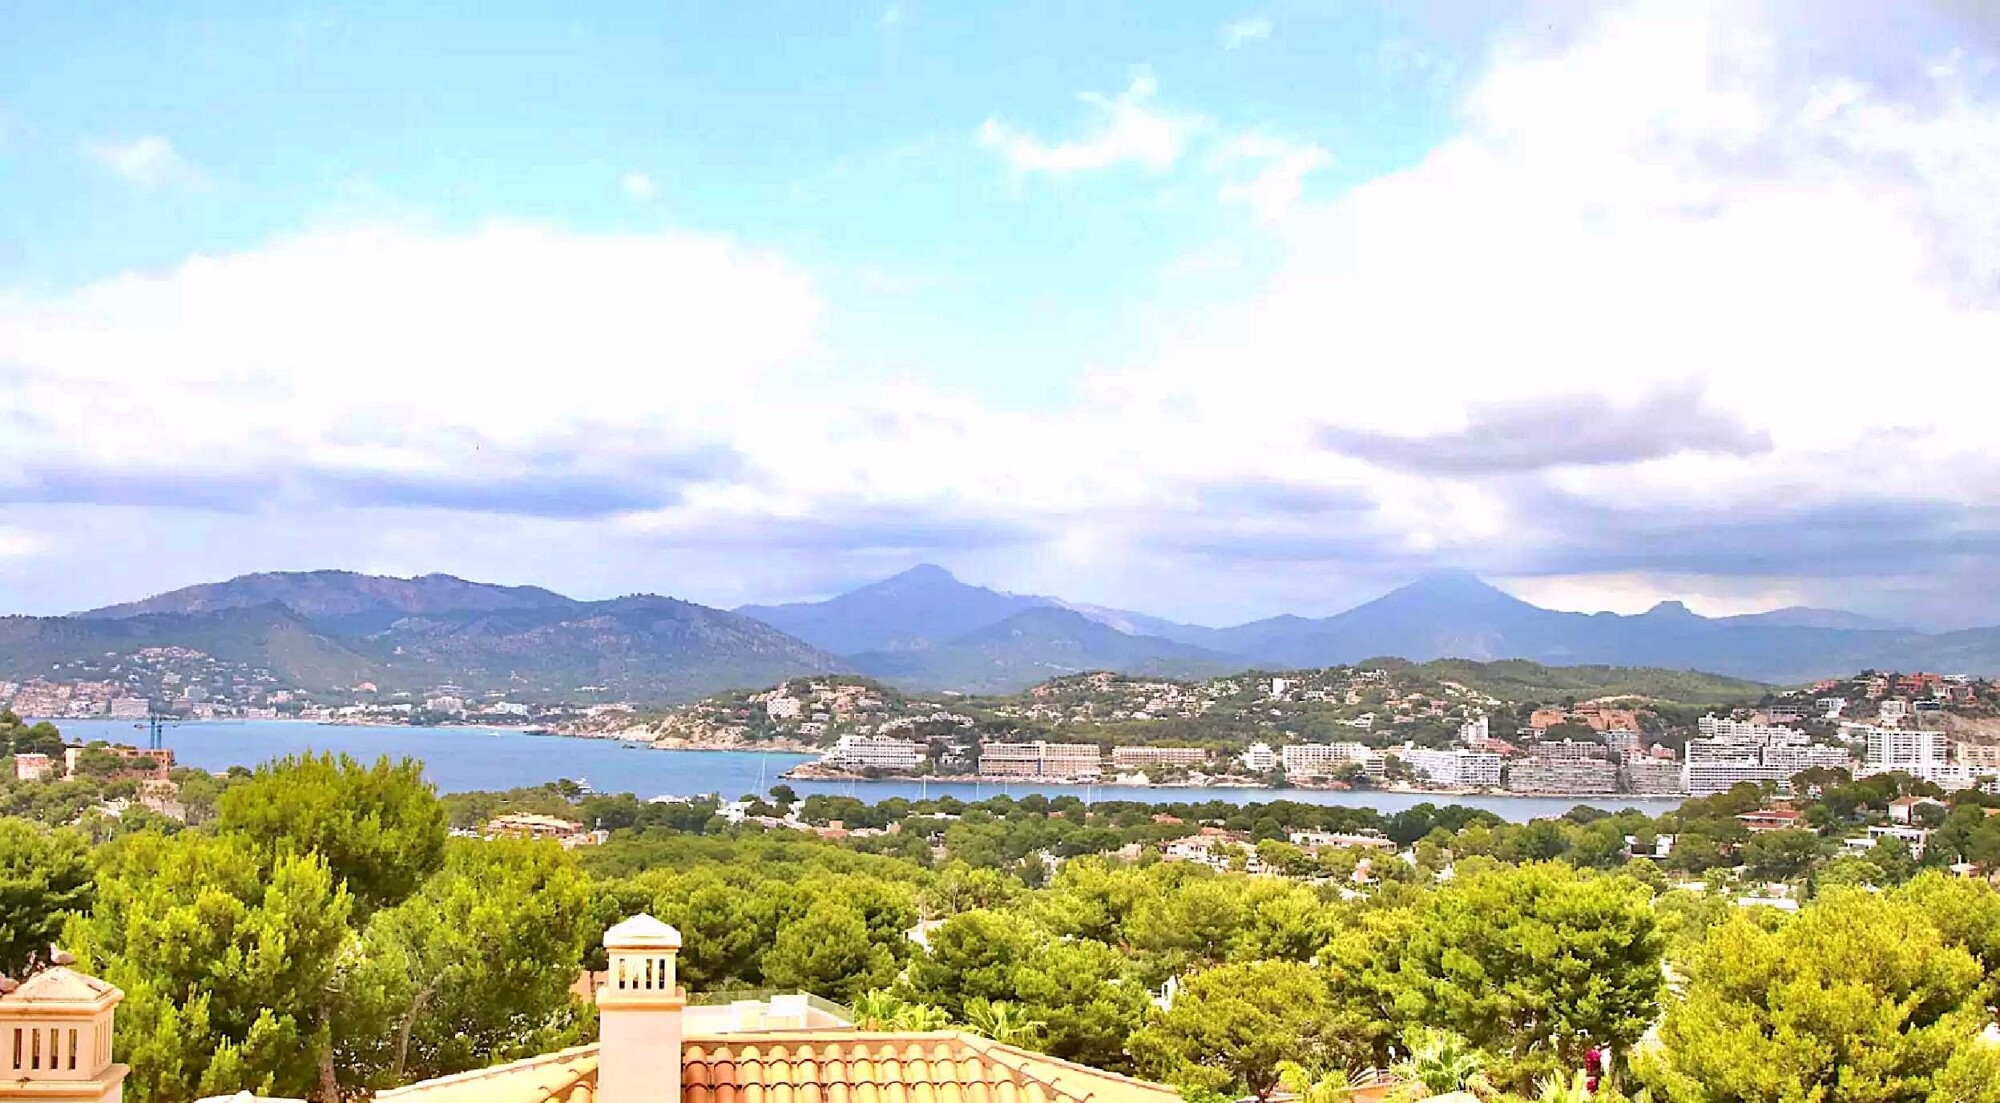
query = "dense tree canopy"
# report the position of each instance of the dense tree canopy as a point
(44, 875)
(380, 828)
(1857, 999)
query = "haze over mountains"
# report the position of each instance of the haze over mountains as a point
(922, 629)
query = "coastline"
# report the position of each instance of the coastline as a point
(813, 771)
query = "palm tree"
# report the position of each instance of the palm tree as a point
(1553, 1089)
(920, 1017)
(1314, 1083)
(1440, 1062)
(877, 1010)
(1001, 1021)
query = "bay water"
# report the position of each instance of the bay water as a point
(459, 759)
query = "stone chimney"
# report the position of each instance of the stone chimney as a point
(55, 1040)
(639, 1015)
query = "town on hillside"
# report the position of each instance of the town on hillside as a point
(1391, 726)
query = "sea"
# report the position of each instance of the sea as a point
(461, 759)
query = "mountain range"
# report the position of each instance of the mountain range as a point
(921, 629)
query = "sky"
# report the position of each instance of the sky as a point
(1213, 311)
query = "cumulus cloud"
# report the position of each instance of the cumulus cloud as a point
(148, 164)
(512, 368)
(1679, 299)
(1128, 130)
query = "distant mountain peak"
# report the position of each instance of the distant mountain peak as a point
(1453, 586)
(924, 572)
(1672, 608)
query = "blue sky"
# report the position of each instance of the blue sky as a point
(1213, 311)
(844, 136)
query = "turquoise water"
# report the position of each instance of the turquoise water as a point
(460, 759)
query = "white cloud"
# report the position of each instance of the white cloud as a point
(1129, 130)
(638, 186)
(1665, 202)
(1281, 168)
(149, 164)
(1244, 30)
(371, 354)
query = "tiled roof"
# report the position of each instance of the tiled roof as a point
(549, 1076)
(944, 1067)
(813, 1067)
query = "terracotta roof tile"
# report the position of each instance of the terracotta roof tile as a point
(813, 1067)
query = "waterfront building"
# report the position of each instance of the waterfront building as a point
(1139, 758)
(1567, 749)
(1453, 769)
(861, 752)
(1062, 761)
(1562, 774)
(130, 708)
(1652, 777)
(1740, 751)
(1323, 759)
(1259, 758)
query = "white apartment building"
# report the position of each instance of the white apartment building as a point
(1259, 758)
(857, 752)
(1139, 758)
(1716, 766)
(1563, 775)
(1457, 769)
(1322, 759)
(130, 708)
(1652, 777)
(1722, 727)
(1068, 761)
(1913, 752)
(1474, 730)
(782, 708)
(1755, 753)
(444, 702)
(1568, 749)
(1892, 711)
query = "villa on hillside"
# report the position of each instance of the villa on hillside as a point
(653, 1048)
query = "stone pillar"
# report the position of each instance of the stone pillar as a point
(55, 1040)
(639, 1015)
